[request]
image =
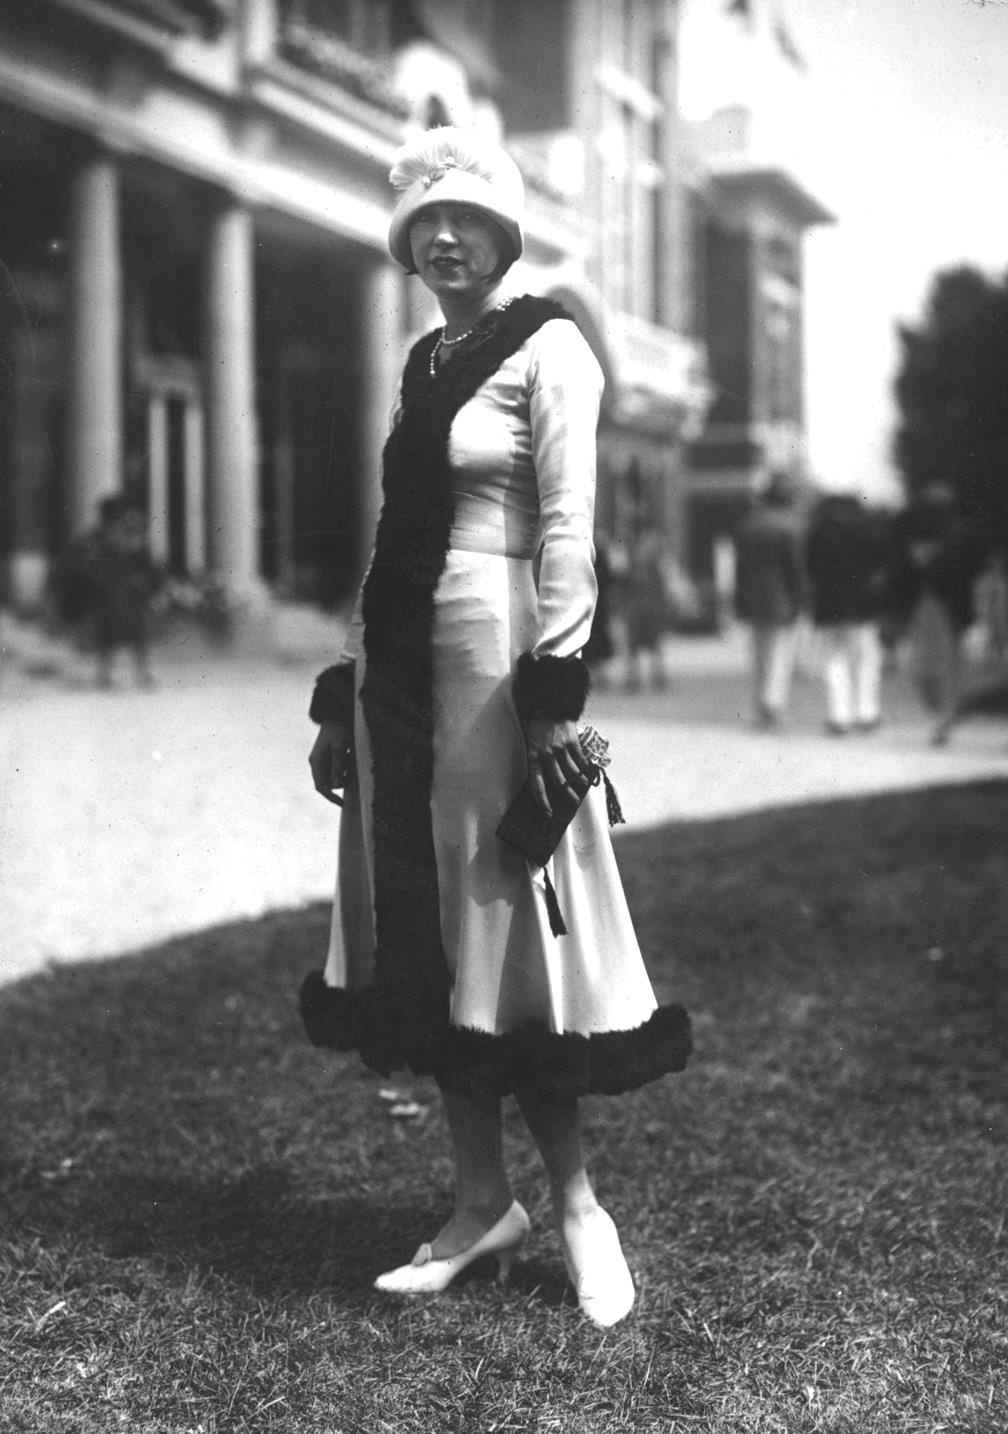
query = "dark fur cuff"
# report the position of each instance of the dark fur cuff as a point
(553, 687)
(334, 694)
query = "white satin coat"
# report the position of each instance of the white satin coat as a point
(519, 577)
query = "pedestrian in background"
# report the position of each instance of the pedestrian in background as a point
(461, 685)
(106, 584)
(846, 563)
(649, 609)
(992, 600)
(940, 559)
(770, 593)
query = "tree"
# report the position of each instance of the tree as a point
(952, 394)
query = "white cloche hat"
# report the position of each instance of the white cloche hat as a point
(447, 165)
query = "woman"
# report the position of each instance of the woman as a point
(461, 676)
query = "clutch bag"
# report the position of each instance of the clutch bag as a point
(525, 825)
(527, 828)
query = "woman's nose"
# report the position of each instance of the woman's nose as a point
(444, 230)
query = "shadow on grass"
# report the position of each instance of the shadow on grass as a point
(153, 1103)
(167, 1105)
(166, 1120)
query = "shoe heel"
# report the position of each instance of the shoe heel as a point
(428, 1276)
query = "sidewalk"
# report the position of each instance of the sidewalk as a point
(128, 817)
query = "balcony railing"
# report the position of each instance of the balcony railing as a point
(147, 21)
(325, 55)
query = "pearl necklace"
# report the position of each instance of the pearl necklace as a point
(442, 343)
(461, 338)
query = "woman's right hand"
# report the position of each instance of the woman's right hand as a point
(331, 759)
(556, 763)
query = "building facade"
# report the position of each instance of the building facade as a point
(752, 218)
(590, 87)
(196, 303)
(749, 148)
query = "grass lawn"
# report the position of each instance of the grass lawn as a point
(194, 1201)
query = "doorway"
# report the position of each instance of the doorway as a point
(174, 463)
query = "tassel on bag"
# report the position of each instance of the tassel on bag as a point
(613, 809)
(557, 924)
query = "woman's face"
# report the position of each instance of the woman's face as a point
(457, 251)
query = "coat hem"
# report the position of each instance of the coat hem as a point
(478, 1063)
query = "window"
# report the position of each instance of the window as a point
(629, 150)
(782, 300)
(362, 24)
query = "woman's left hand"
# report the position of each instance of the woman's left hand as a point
(555, 760)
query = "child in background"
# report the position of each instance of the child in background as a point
(120, 580)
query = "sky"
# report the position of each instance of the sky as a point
(898, 123)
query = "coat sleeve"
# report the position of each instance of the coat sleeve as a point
(565, 392)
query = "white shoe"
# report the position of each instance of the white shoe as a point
(604, 1285)
(427, 1276)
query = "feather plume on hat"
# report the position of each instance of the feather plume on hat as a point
(438, 151)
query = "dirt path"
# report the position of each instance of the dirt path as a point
(127, 817)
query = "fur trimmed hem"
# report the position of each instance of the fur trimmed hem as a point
(554, 687)
(334, 694)
(475, 1063)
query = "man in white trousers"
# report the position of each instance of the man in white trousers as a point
(846, 560)
(769, 593)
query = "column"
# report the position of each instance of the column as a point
(233, 489)
(96, 426)
(258, 21)
(195, 494)
(157, 476)
(381, 364)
